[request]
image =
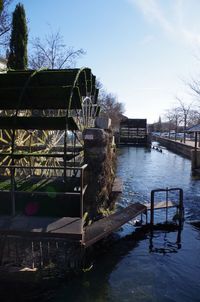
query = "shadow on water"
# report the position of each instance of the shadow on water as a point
(94, 285)
(162, 266)
(87, 285)
(137, 267)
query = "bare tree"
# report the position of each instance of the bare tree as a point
(184, 111)
(111, 108)
(5, 23)
(194, 86)
(176, 119)
(194, 117)
(51, 52)
(169, 116)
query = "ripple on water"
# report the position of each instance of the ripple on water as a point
(162, 268)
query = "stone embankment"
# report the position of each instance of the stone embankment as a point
(185, 149)
(175, 146)
(99, 154)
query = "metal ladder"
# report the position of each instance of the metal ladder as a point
(167, 190)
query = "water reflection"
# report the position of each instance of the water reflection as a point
(140, 266)
(165, 245)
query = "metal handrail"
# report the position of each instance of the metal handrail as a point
(167, 190)
(44, 167)
(80, 193)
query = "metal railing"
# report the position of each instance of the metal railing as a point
(167, 190)
(76, 169)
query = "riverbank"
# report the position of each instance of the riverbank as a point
(184, 149)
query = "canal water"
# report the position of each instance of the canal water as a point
(162, 268)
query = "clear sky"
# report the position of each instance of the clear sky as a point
(141, 50)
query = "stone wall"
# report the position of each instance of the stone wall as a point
(182, 149)
(99, 154)
(195, 159)
(175, 146)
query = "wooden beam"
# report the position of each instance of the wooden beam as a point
(38, 123)
(44, 227)
(103, 227)
(162, 205)
(69, 156)
(48, 97)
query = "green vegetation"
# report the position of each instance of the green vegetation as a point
(18, 58)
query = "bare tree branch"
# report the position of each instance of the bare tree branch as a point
(51, 52)
(5, 24)
(71, 56)
(185, 110)
(111, 108)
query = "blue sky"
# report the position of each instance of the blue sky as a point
(141, 50)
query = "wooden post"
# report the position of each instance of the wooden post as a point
(167, 204)
(12, 173)
(146, 213)
(152, 209)
(64, 158)
(199, 140)
(181, 208)
(195, 150)
(81, 199)
(81, 184)
(74, 145)
(13, 190)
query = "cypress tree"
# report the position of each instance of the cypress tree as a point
(17, 58)
(1, 6)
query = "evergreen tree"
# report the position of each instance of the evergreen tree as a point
(159, 124)
(17, 58)
(1, 6)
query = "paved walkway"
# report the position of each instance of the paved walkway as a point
(188, 142)
(191, 143)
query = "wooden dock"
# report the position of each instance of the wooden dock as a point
(71, 228)
(67, 228)
(103, 227)
(162, 205)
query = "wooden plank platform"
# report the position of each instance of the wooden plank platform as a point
(68, 228)
(38, 123)
(162, 205)
(107, 225)
(44, 227)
